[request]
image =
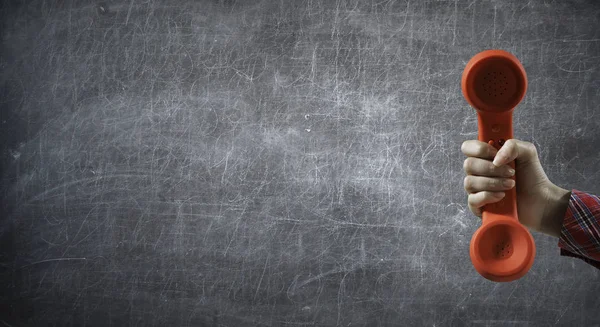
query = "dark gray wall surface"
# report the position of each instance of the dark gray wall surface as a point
(282, 163)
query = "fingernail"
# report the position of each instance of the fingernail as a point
(511, 172)
(499, 195)
(508, 183)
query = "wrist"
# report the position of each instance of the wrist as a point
(554, 212)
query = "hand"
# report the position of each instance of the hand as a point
(540, 203)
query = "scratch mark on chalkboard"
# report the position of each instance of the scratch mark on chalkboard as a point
(129, 12)
(455, 20)
(158, 238)
(563, 312)
(406, 14)
(494, 30)
(492, 291)
(573, 70)
(83, 223)
(319, 277)
(349, 223)
(51, 260)
(487, 322)
(226, 163)
(578, 40)
(340, 298)
(6, 324)
(235, 230)
(61, 186)
(90, 233)
(261, 276)
(421, 52)
(41, 281)
(363, 253)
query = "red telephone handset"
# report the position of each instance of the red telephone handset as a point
(494, 82)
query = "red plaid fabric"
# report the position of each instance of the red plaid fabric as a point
(580, 232)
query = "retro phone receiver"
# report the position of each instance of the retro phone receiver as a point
(494, 82)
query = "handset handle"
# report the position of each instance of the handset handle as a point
(495, 128)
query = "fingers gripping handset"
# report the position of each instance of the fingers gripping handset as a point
(494, 82)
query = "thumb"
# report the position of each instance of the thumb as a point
(514, 150)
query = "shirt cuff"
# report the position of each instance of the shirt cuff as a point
(580, 231)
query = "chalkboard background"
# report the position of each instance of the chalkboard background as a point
(284, 163)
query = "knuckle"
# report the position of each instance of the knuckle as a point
(510, 143)
(527, 149)
(491, 169)
(468, 183)
(490, 150)
(493, 183)
(475, 201)
(468, 165)
(530, 147)
(471, 200)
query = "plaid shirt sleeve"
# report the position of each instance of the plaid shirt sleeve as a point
(580, 232)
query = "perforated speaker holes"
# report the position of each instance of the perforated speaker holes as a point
(503, 250)
(495, 83)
